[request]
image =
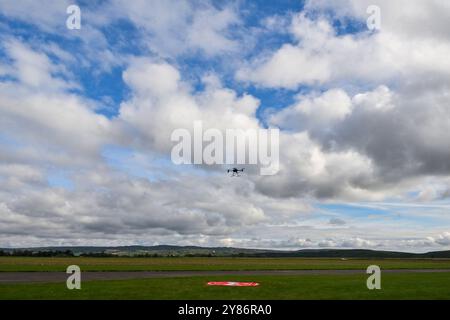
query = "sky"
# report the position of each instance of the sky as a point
(86, 117)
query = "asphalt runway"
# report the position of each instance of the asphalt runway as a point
(29, 277)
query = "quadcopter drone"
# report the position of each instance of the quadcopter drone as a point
(235, 172)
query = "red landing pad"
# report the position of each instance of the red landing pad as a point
(233, 284)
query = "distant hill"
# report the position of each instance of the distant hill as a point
(168, 250)
(354, 253)
(160, 250)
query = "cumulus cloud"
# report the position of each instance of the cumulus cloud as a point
(442, 239)
(400, 134)
(320, 56)
(176, 27)
(105, 203)
(314, 112)
(368, 122)
(399, 124)
(34, 69)
(37, 107)
(309, 170)
(163, 28)
(411, 18)
(46, 14)
(162, 99)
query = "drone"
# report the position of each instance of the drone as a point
(235, 172)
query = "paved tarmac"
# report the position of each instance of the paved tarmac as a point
(28, 277)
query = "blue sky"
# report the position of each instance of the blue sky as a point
(107, 86)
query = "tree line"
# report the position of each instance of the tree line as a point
(31, 253)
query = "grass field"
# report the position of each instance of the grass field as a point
(191, 264)
(394, 286)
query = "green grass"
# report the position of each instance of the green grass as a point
(394, 286)
(168, 264)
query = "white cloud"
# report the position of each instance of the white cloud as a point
(443, 239)
(309, 170)
(34, 69)
(287, 68)
(411, 18)
(47, 14)
(372, 125)
(321, 57)
(162, 99)
(37, 109)
(314, 112)
(170, 28)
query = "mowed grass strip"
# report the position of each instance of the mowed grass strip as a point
(394, 286)
(215, 263)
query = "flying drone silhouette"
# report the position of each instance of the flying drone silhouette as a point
(235, 172)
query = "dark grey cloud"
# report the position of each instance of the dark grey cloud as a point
(408, 140)
(337, 222)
